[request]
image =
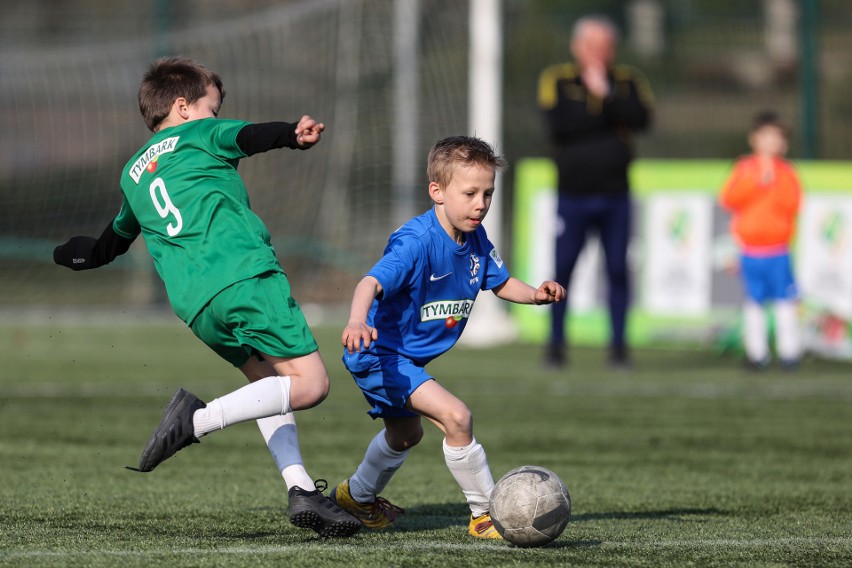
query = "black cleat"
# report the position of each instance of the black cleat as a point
(175, 431)
(313, 510)
(554, 357)
(619, 359)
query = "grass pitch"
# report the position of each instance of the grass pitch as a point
(685, 460)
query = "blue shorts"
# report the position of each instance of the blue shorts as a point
(768, 278)
(386, 382)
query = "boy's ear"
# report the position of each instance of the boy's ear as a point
(436, 192)
(181, 107)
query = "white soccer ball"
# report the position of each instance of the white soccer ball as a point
(530, 506)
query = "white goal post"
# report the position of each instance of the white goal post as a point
(489, 323)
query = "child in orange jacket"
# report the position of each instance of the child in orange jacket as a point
(763, 193)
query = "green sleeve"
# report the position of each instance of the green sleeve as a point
(125, 223)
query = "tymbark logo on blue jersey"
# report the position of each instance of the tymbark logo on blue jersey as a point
(151, 155)
(446, 308)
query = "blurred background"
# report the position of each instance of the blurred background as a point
(388, 79)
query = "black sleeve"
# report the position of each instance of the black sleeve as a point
(264, 136)
(628, 107)
(83, 253)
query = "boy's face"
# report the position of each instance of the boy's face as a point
(768, 140)
(207, 106)
(465, 200)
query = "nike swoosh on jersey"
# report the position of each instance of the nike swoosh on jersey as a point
(434, 278)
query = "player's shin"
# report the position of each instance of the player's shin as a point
(788, 341)
(755, 334)
(282, 439)
(469, 467)
(376, 469)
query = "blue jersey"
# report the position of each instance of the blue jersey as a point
(429, 284)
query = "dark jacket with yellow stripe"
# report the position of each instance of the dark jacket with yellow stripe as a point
(593, 136)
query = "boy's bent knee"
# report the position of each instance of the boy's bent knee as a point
(401, 439)
(306, 392)
(406, 442)
(459, 421)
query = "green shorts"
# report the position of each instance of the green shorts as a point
(254, 315)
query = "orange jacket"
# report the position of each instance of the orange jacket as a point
(764, 211)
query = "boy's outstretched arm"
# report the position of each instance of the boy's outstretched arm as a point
(357, 330)
(83, 253)
(261, 137)
(513, 290)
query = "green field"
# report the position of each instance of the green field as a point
(687, 460)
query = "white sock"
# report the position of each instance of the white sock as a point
(282, 439)
(787, 331)
(266, 397)
(755, 334)
(469, 467)
(376, 469)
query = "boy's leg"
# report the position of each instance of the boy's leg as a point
(469, 467)
(282, 439)
(307, 508)
(755, 334)
(787, 342)
(186, 418)
(381, 461)
(302, 383)
(280, 433)
(464, 456)
(360, 493)
(267, 397)
(264, 398)
(787, 339)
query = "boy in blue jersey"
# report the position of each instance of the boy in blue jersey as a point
(183, 194)
(411, 307)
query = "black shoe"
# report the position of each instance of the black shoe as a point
(313, 510)
(175, 431)
(554, 357)
(619, 360)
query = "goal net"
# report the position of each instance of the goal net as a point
(70, 122)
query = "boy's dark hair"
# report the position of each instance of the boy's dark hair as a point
(168, 79)
(466, 151)
(769, 118)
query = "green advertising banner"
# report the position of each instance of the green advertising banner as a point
(654, 182)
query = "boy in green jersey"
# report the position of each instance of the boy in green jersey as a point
(182, 192)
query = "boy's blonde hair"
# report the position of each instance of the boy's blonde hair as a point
(455, 151)
(168, 79)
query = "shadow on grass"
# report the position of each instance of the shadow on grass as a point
(429, 517)
(665, 514)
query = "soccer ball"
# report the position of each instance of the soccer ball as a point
(530, 506)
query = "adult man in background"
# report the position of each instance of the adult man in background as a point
(592, 108)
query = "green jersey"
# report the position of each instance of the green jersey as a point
(183, 193)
